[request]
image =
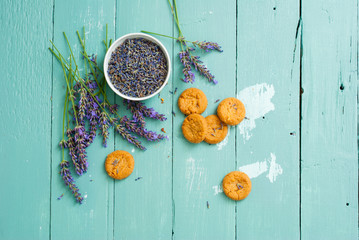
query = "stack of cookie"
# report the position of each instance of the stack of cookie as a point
(212, 129)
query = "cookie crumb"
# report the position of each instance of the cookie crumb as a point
(163, 130)
(162, 100)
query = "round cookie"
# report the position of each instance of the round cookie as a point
(119, 164)
(231, 111)
(216, 130)
(192, 100)
(236, 185)
(194, 128)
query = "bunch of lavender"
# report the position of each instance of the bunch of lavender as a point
(91, 112)
(188, 60)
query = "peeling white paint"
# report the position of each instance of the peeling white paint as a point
(257, 101)
(217, 189)
(256, 169)
(225, 140)
(133, 150)
(274, 169)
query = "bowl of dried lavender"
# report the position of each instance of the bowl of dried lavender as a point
(137, 66)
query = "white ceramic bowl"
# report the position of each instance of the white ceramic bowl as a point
(117, 43)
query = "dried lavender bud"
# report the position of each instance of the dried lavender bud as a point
(69, 181)
(187, 70)
(138, 67)
(207, 46)
(127, 136)
(202, 69)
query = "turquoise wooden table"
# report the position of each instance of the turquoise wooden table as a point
(294, 64)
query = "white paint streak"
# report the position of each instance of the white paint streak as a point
(225, 140)
(85, 196)
(133, 150)
(256, 169)
(274, 169)
(257, 100)
(217, 189)
(190, 172)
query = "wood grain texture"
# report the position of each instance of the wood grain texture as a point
(329, 125)
(198, 169)
(268, 63)
(25, 115)
(143, 208)
(304, 172)
(94, 218)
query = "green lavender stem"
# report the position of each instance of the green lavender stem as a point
(71, 96)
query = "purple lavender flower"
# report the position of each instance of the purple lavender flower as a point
(93, 115)
(63, 144)
(82, 104)
(104, 125)
(207, 46)
(147, 112)
(80, 135)
(72, 151)
(202, 69)
(127, 136)
(69, 181)
(134, 127)
(187, 70)
(113, 108)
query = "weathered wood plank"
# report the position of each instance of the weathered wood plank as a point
(329, 125)
(25, 115)
(268, 141)
(198, 169)
(143, 208)
(94, 218)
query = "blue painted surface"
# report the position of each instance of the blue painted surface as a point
(293, 64)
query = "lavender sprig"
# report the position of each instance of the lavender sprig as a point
(187, 69)
(202, 69)
(69, 181)
(82, 104)
(207, 46)
(134, 127)
(104, 125)
(127, 136)
(72, 151)
(147, 112)
(80, 135)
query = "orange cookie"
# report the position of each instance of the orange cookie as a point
(194, 128)
(192, 100)
(231, 111)
(119, 164)
(236, 185)
(217, 130)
